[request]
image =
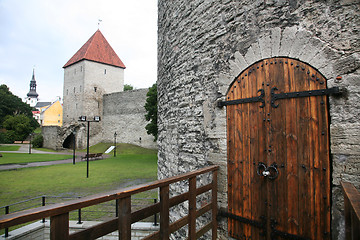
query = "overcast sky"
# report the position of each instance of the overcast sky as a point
(45, 34)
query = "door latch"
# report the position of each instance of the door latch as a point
(270, 172)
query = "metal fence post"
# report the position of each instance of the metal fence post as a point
(155, 215)
(79, 216)
(7, 211)
(43, 204)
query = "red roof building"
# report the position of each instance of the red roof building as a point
(96, 49)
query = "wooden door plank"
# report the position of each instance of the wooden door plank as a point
(239, 157)
(305, 219)
(324, 168)
(246, 157)
(240, 154)
(313, 142)
(276, 147)
(291, 153)
(268, 140)
(230, 114)
(257, 132)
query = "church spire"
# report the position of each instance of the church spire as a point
(32, 92)
(32, 96)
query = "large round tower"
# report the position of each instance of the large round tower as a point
(236, 87)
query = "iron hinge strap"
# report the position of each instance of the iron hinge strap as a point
(285, 235)
(310, 93)
(281, 234)
(245, 100)
(253, 223)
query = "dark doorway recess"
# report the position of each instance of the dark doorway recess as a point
(69, 142)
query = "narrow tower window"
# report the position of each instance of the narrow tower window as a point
(105, 71)
(95, 88)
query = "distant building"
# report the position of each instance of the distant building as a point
(52, 114)
(93, 71)
(32, 96)
(93, 86)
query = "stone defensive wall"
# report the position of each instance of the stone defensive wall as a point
(204, 45)
(124, 113)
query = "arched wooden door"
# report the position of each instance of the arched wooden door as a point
(278, 152)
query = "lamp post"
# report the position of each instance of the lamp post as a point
(83, 119)
(30, 143)
(74, 145)
(115, 144)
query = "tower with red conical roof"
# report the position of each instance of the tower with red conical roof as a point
(93, 71)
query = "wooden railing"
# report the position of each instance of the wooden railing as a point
(59, 213)
(352, 211)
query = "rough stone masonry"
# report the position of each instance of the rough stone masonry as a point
(203, 45)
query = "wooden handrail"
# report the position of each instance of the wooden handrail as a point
(59, 213)
(352, 211)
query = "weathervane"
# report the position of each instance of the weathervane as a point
(99, 21)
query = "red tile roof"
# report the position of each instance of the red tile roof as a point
(96, 49)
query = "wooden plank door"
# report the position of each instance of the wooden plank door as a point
(286, 139)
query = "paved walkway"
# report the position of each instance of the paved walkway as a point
(24, 148)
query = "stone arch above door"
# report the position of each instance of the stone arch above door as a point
(293, 42)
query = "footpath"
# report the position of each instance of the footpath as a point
(24, 148)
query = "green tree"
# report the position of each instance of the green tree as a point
(16, 118)
(20, 125)
(151, 109)
(128, 87)
(12, 105)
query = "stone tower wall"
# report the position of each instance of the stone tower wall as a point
(204, 45)
(73, 92)
(85, 83)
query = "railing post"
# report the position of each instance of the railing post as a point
(43, 204)
(124, 224)
(164, 213)
(192, 208)
(7, 211)
(214, 205)
(351, 211)
(155, 215)
(116, 207)
(59, 227)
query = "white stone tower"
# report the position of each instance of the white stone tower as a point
(32, 96)
(93, 71)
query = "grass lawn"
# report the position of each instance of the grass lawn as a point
(121, 148)
(68, 180)
(19, 158)
(9, 147)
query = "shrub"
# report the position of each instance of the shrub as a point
(38, 141)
